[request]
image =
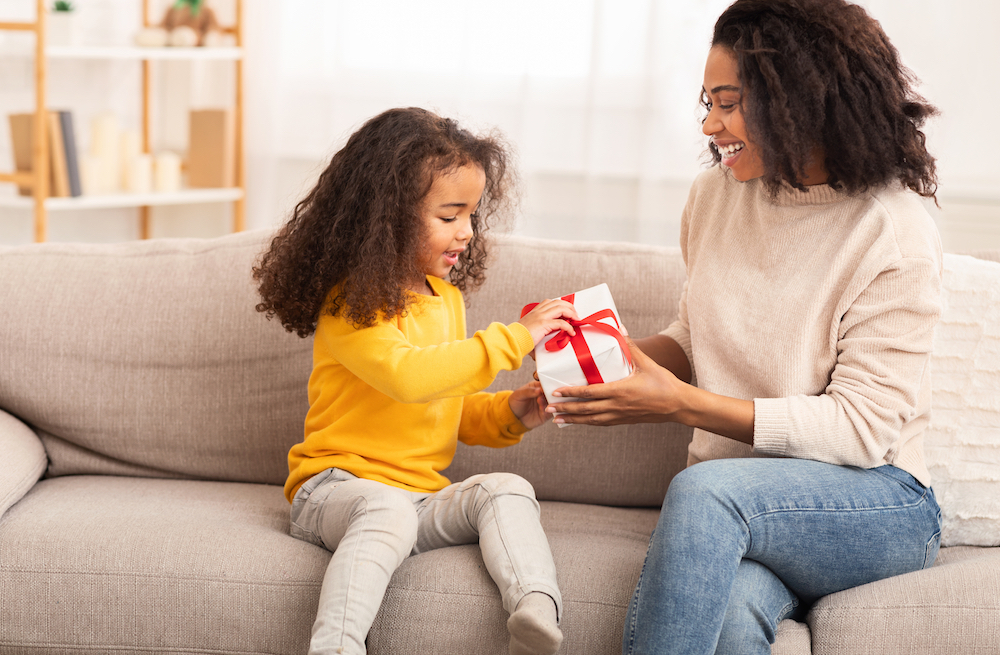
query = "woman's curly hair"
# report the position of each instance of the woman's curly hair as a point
(359, 230)
(822, 73)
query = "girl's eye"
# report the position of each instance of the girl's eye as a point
(474, 216)
(449, 219)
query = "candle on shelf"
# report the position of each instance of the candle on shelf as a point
(139, 174)
(130, 147)
(167, 172)
(105, 148)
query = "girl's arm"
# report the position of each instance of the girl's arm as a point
(383, 357)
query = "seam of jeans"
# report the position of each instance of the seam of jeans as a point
(921, 500)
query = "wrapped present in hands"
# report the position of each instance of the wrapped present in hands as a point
(598, 353)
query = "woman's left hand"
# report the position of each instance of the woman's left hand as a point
(650, 394)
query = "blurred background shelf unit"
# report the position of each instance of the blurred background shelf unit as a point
(38, 178)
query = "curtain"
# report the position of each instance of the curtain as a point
(597, 97)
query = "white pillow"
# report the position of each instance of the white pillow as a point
(962, 443)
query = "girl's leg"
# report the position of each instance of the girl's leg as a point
(819, 528)
(499, 511)
(371, 528)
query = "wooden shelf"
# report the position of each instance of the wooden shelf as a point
(182, 197)
(144, 54)
(38, 178)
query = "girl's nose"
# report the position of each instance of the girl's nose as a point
(464, 232)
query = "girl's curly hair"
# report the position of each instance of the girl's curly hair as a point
(823, 73)
(359, 230)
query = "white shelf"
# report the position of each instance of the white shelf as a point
(183, 197)
(137, 53)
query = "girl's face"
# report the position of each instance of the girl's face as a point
(724, 123)
(447, 220)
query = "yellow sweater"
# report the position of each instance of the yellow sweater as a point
(390, 402)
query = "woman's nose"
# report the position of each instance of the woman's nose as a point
(712, 124)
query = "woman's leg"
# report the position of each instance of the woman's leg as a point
(819, 528)
(371, 528)
(499, 511)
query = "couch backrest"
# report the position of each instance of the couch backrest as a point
(148, 359)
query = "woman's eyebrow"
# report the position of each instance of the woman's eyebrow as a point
(725, 87)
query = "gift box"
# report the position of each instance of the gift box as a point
(598, 353)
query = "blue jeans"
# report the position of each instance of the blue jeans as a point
(743, 543)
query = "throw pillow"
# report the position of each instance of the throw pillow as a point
(962, 443)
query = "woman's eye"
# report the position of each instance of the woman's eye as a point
(448, 219)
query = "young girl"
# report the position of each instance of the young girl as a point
(363, 263)
(813, 288)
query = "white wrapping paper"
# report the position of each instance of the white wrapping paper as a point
(560, 368)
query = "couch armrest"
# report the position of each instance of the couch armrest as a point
(24, 460)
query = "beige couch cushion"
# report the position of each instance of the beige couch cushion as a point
(24, 460)
(104, 563)
(147, 358)
(953, 607)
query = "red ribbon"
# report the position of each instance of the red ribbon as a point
(580, 348)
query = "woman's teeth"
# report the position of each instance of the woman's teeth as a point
(729, 150)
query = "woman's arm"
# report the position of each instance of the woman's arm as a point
(655, 393)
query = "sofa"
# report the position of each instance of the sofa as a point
(146, 412)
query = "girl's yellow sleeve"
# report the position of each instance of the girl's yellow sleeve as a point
(487, 420)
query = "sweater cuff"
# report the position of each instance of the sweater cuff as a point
(770, 426)
(523, 338)
(510, 425)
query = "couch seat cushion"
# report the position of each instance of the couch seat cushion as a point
(96, 564)
(957, 601)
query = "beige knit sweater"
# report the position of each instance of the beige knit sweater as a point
(821, 308)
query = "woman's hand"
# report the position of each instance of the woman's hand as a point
(549, 316)
(528, 404)
(650, 394)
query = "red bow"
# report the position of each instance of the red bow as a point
(580, 348)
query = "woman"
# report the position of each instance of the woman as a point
(802, 347)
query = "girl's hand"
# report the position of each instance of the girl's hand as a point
(548, 317)
(650, 394)
(528, 404)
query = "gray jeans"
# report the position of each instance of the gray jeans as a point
(372, 527)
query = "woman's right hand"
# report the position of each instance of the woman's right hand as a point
(549, 316)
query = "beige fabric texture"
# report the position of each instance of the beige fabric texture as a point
(24, 460)
(117, 563)
(953, 607)
(147, 358)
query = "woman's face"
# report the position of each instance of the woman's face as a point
(725, 123)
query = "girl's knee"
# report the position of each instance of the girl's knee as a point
(379, 505)
(505, 484)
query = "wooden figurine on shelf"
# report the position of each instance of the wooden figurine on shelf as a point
(187, 23)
